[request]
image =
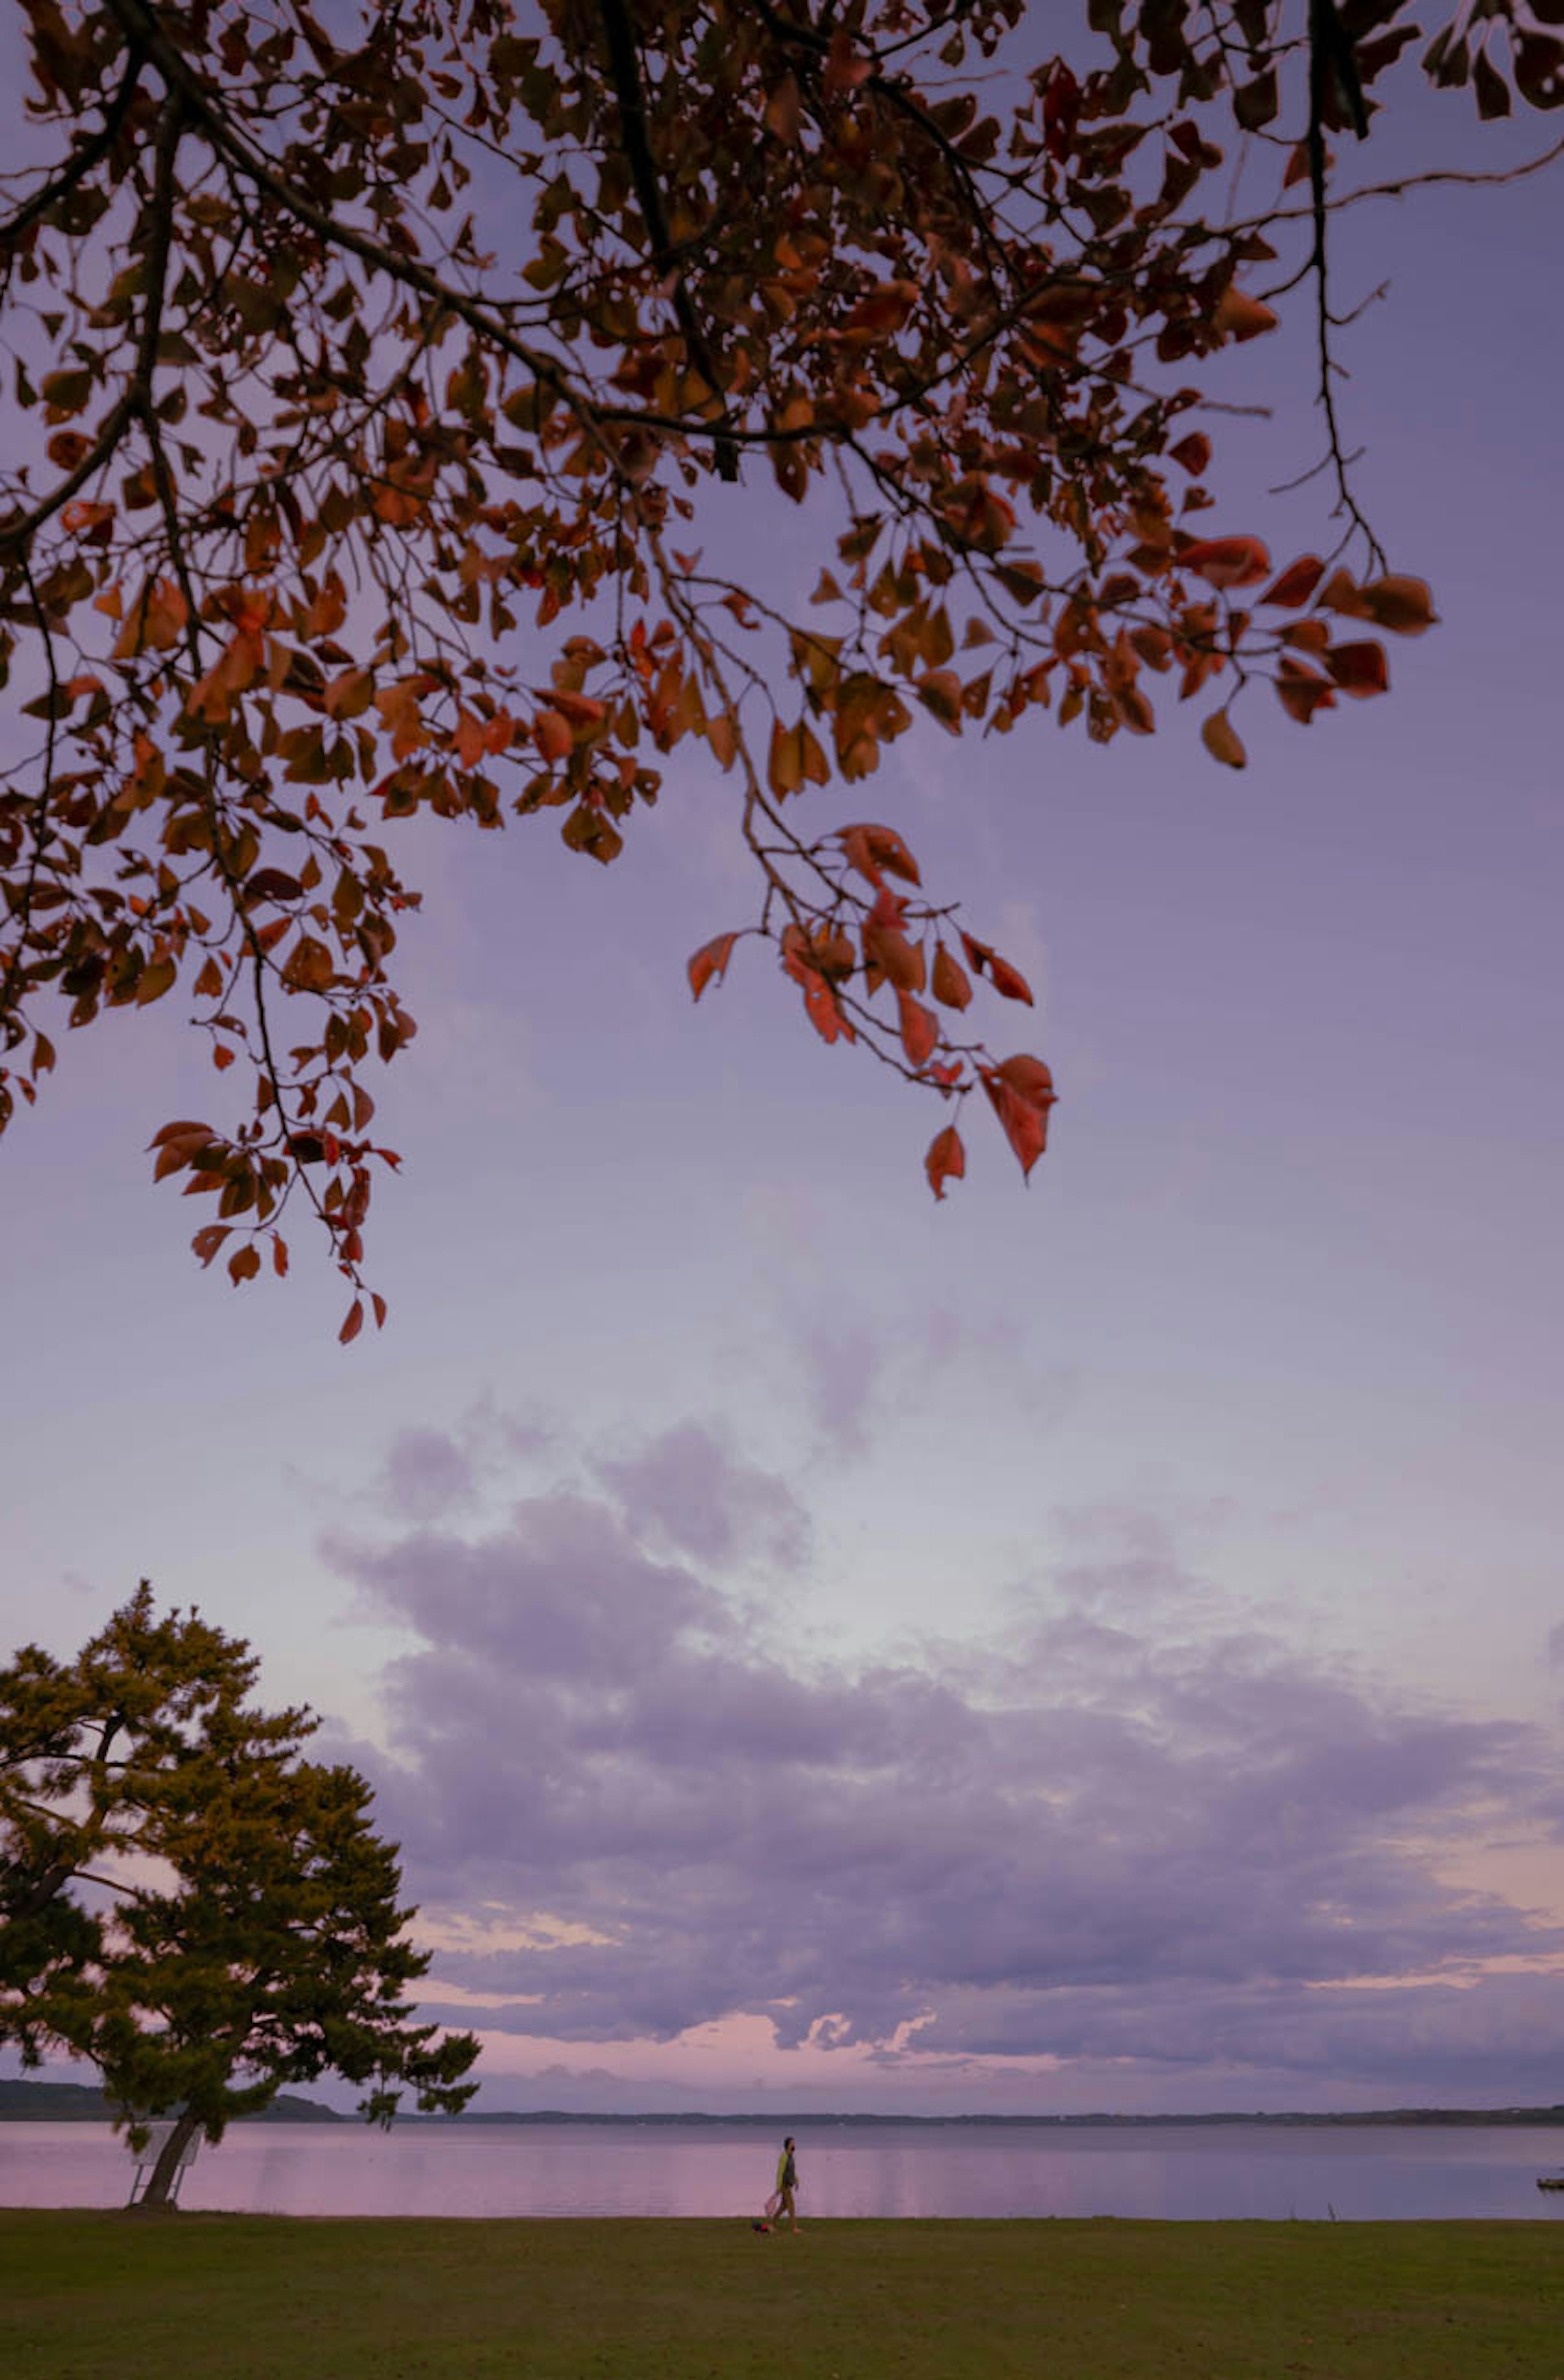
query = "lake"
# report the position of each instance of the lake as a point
(1189, 2172)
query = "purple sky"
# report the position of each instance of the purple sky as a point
(1086, 1646)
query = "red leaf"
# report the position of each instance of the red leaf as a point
(209, 1239)
(1025, 1124)
(551, 734)
(354, 1323)
(245, 1263)
(920, 1028)
(1028, 1077)
(870, 848)
(1301, 693)
(1297, 582)
(1358, 669)
(1008, 980)
(1194, 451)
(1226, 561)
(710, 960)
(950, 981)
(946, 1161)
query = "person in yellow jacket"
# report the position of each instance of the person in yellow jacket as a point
(782, 2201)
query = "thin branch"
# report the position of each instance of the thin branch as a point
(82, 161)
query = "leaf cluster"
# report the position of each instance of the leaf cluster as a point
(384, 379)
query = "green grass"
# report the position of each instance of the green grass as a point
(237, 2297)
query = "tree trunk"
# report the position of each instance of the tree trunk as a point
(157, 2191)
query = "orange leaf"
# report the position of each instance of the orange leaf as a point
(1024, 1122)
(920, 1028)
(784, 112)
(1008, 980)
(1341, 593)
(354, 1323)
(1222, 740)
(1297, 582)
(710, 960)
(950, 981)
(1226, 561)
(245, 1263)
(552, 733)
(872, 848)
(308, 966)
(1242, 317)
(940, 691)
(946, 1161)
(1402, 605)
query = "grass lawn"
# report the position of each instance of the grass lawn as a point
(239, 2297)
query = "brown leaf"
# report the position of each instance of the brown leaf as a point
(1358, 669)
(1297, 582)
(946, 1161)
(1222, 740)
(1242, 317)
(1402, 605)
(950, 982)
(1226, 561)
(920, 1029)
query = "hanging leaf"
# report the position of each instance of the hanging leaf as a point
(946, 1161)
(1222, 740)
(710, 962)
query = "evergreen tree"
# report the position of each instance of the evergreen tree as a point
(249, 1931)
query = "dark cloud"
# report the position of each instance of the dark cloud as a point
(1133, 1832)
(689, 1491)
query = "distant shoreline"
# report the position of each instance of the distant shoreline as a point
(27, 2101)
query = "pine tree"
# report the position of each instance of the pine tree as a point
(254, 1934)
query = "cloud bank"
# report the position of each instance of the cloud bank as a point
(1139, 1829)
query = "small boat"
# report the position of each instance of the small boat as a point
(1550, 2182)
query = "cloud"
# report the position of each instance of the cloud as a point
(1138, 1827)
(426, 1475)
(689, 1491)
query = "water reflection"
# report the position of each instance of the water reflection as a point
(1272, 2172)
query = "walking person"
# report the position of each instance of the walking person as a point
(787, 2183)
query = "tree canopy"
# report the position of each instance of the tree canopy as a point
(389, 380)
(187, 1902)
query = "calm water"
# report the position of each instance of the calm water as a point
(1270, 2171)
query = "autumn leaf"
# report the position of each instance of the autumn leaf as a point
(1020, 1093)
(1402, 605)
(1297, 582)
(1226, 561)
(1358, 669)
(949, 982)
(920, 1029)
(1242, 317)
(710, 962)
(1222, 740)
(946, 1161)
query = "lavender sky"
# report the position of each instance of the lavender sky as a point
(1094, 1645)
